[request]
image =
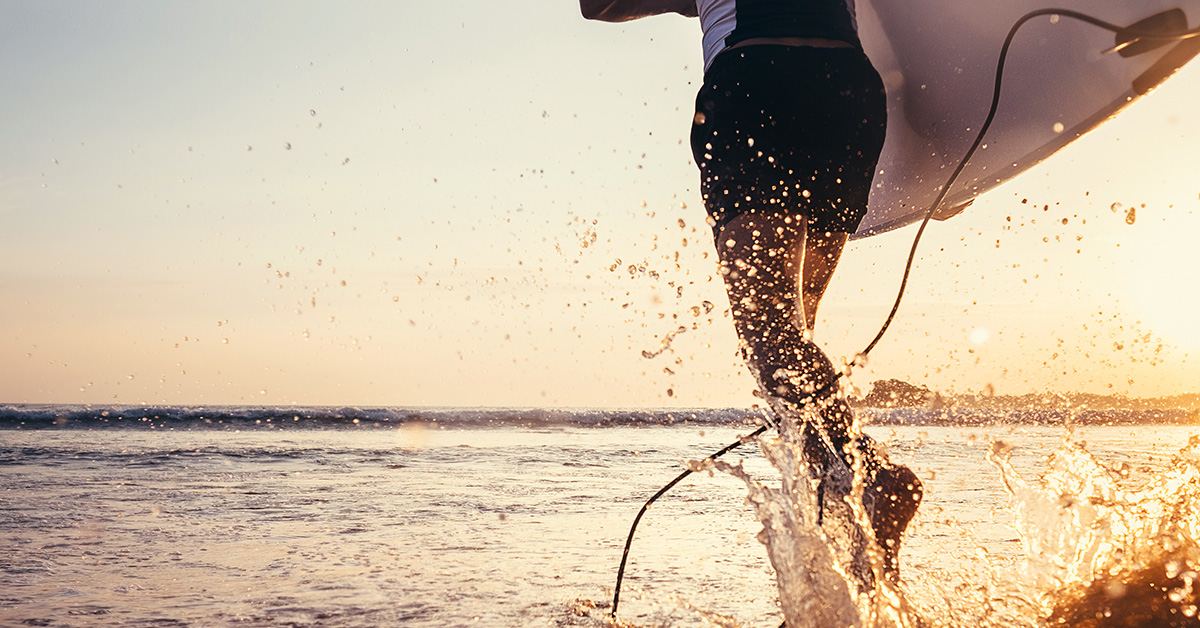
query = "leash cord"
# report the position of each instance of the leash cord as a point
(661, 491)
(962, 164)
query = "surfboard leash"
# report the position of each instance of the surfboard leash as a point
(1126, 37)
(679, 478)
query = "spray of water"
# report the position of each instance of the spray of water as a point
(1102, 549)
(817, 531)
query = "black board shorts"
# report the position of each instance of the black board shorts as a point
(789, 129)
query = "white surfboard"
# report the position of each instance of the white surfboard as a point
(1061, 80)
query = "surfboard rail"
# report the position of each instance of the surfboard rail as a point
(1063, 78)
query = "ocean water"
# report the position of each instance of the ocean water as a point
(344, 517)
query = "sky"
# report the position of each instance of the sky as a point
(468, 203)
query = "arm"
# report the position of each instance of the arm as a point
(625, 10)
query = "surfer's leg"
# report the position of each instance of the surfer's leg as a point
(897, 494)
(786, 169)
(761, 258)
(822, 251)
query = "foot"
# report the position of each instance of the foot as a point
(897, 493)
(892, 494)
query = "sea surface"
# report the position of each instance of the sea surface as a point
(514, 518)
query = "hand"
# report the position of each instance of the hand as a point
(624, 10)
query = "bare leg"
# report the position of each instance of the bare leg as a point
(821, 254)
(764, 260)
(761, 258)
(791, 258)
(776, 273)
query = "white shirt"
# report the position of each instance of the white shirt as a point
(719, 20)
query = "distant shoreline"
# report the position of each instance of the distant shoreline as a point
(935, 411)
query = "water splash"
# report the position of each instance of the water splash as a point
(1102, 549)
(1100, 546)
(817, 531)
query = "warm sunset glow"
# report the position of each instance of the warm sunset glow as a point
(323, 210)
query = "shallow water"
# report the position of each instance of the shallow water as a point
(506, 526)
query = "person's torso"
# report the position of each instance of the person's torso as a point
(727, 22)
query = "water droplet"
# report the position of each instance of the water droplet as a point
(699, 118)
(287, 146)
(1058, 127)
